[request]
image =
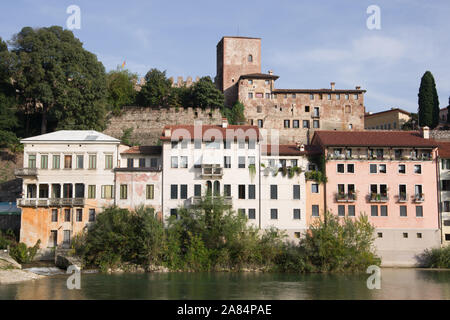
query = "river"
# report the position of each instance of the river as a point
(395, 284)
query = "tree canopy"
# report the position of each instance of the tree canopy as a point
(155, 91)
(57, 78)
(121, 91)
(428, 101)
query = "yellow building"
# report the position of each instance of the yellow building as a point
(392, 119)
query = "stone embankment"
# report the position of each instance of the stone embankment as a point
(10, 271)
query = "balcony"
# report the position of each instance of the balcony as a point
(345, 197)
(25, 172)
(315, 115)
(419, 197)
(51, 202)
(402, 197)
(211, 171)
(195, 200)
(378, 197)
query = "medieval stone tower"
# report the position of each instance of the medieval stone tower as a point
(236, 56)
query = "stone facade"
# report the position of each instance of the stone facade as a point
(147, 123)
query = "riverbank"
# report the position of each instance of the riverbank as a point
(10, 276)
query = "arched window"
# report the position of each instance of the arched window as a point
(208, 188)
(250, 58)
(216, 188)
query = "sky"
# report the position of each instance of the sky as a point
(307, 43)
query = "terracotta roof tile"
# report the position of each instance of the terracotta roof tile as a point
(372, 138)
(149, 150)
(443, 149)
(291, 150)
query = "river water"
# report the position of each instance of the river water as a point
(395, 284)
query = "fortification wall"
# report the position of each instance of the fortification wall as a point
(148, 123)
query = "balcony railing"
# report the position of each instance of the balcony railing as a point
(25, 172)
(212, 172)
(378, 197)
(195, 200)
(51, 202)
(419, 197)
(345, 197)
(402, 197)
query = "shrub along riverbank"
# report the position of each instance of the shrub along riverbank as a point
(212, 237)
(436, 258)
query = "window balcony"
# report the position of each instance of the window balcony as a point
(419, 197)
(51, 202)
(345, 197)
(196, 200)
(402, 197)
(211, 171)
(378, 197)
(26, 172)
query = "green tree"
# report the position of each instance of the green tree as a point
(428, 101)
(235, 115)
(121, 92)
(57, 78)
(204, 94)
(156, 90)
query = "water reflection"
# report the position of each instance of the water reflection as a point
(395, 284)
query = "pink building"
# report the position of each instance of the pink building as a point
(392, 178)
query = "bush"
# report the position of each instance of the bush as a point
(7, 239)
(23, 254)
(435, 258)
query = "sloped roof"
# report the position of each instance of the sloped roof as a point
(318, 91)
(73, 135)
(148, 150)
(231, 132)
(258, 76)
(372, 138)
(387, 111)
(443, 149)
(291, 150)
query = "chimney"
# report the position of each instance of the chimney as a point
(302, 147)
(224, 122)
(270, 72)
(333, 85)
(425, 132)
(167, 132)
(357, 87)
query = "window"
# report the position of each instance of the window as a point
(315, 210)
(216, 189)
(445, 185)
(130, 163)
(446, 206)
(79, 190)
(56, 164)
(79, 215)
(350, 168)
(241, 162)
(67, 190)
(91, 215)
(44, 161)
(314, 188)
(183, 162)
(329, 96)
(403, 211)
(80, 161)
(197, 190)
(296, 191)
(295, 123)
(383, 211)
(274, 214)
(250, 58)
(67, 215)
(287, 123)
(305, 123)
(267, 94)
(350, 126)
(316, 124)
(174, 162)
(351, 211)
(66, 237)
(251, 144)
(316, 112)
(67, 162)
(251, 161)
(184, 191)
(402, 168)
(173, 191)
(418, 168)
(173, 213)
(250, 95)
(32, 161)
(56, 191)
(311, 96)
(123, 191)
(53, 240)
(273, 191)
(419, 235)
(341, 211)
(227, 162)
(43, 191)
(92, 161)
(405, 235)
(297, 215)
(91, 191)
(445, 164)
(54, 215)
(251, 191)
(241, 212)
(107, 192)
(141, 162)
(340, 168)
(184, 144)
(419, 211)
(174, 144)
(374, 211)
(260, 123)
(241, 191)
(373, 168)
(108, 161)
(382, 168)
(227, 190)
(251, 214)
(153, 162)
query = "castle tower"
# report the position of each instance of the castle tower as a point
(236, 56)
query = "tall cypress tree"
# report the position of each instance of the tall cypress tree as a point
(428, 101)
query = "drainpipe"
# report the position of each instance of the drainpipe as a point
(438, 173)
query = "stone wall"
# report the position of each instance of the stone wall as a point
(148, 123)
(442, 135)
